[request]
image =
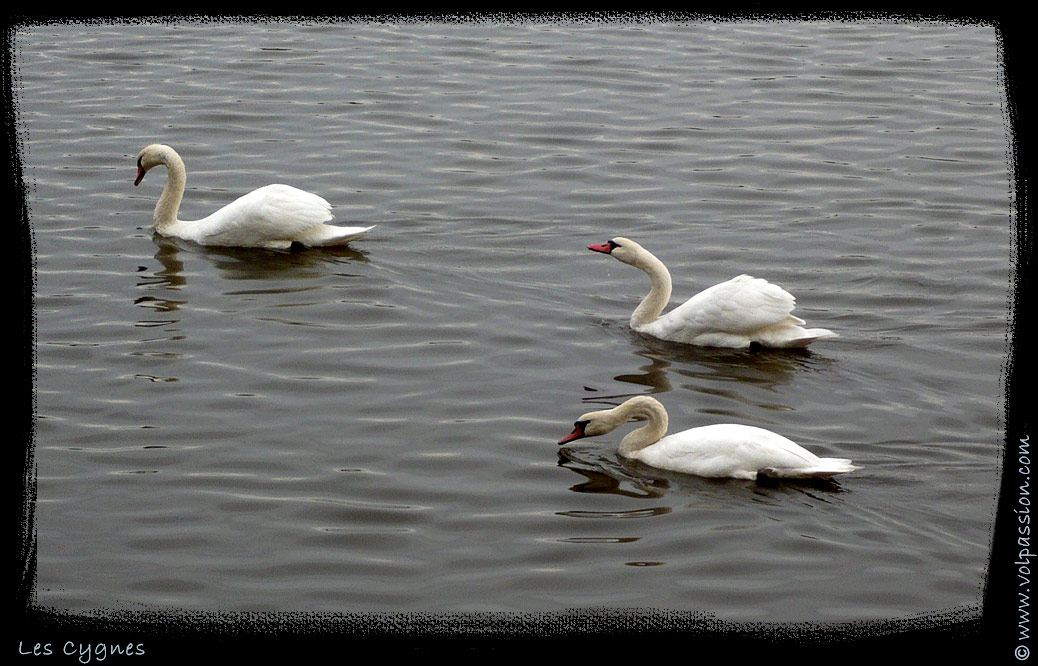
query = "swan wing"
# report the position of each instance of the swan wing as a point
(742, 305)
(727, 450)
(265, 215)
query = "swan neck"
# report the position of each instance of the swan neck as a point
(652, 305)
(169, 202)
(651, 432)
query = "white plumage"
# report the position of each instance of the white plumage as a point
(274, 216)
(725, 450)
(736, 313)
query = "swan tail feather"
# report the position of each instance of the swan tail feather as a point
(824, 468)
(796, 337)
(329, 234)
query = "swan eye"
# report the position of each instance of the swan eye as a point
(613, 245)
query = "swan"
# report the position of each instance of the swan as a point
(275, 216)
(725, 450)
(742, 312)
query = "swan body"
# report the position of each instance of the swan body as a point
(275, 216)
(724, 450)
(737, 314)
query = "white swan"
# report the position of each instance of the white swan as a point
(273, 217)
(716, 451)
(737, 313)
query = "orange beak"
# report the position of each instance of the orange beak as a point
(578, 433)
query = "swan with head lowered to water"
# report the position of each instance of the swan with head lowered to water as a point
(740, 313)
(274, 217)
(725, 450)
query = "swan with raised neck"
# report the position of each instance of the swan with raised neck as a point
(740, 313)
(717, 451)
(275, 216)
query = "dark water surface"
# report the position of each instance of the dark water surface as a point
(375, 428)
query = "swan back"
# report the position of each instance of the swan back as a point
(742, 310)
(267, 213)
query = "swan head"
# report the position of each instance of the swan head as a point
(592, 424)
(640, 407)
(152, 156)
(624, 249)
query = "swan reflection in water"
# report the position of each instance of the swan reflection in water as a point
(236, 264)
(244, 263)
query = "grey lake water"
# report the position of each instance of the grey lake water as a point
(374, 428)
